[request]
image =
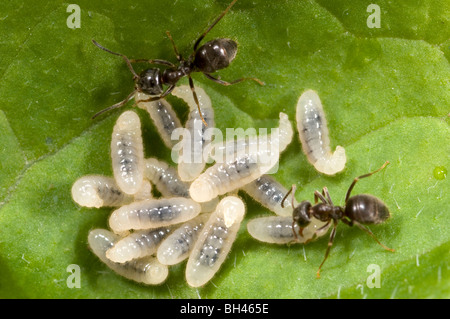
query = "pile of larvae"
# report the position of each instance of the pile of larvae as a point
(199, 212)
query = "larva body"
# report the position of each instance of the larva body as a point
(145, 192)
(163, 116)
(222, 178)
(153, 213)
(147, 270)
(178, 245)
(127, 152)
(278, 230)
(138, 244)
(270, 193)
(169, 183)
(192, 164)
(222, 152)
(98, 191)
(165, 178)
(215, 241)
(314, 136)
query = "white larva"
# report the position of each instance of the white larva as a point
(178, 245)
(147, 270)
(127, 152)
(145, 192)
(220, 152)
(313, 132)
(153, 213)
(138, 244)
(165, 178)
(222, 178)
(169, 183)
(162, 114)
(192, 164)
(270, 193)
(98, 191)
(278, 230)
(214, 241)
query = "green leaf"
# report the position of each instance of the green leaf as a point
(385, 92)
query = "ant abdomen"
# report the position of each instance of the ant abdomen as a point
(215, 55)
(366, 209)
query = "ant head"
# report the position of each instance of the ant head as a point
(149, 82)
(302, 214)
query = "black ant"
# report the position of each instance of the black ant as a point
(359, 209)
(210, 57)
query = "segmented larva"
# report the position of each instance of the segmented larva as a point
(137, 245)
(147, 270)
(270, 193)
(127, 152)
(145, 192)
(169, 183)
(222, 178)
(214, 241)
(313, 132)
(153, 213)
(190, 166)
(178, 245)
(220, 152)
(278, 230)
(98, 191)
(165, 178)
(162, 114)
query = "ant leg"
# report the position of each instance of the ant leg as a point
(360, 177)
(177, 54)
(327, 194)
(191, 84)
(159, 97)
(330, 243)
(317, 231)
(154, 61)
(212, 25)
(209, 76)
(318, 196)
(293, 230)
(371, 234)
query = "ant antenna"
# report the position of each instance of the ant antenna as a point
(117, 105)
(292, 190)
(128, 62)
(213, 24)
(360, 177)
(135, 76)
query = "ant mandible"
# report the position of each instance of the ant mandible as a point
(358, 210)
(210, 57)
